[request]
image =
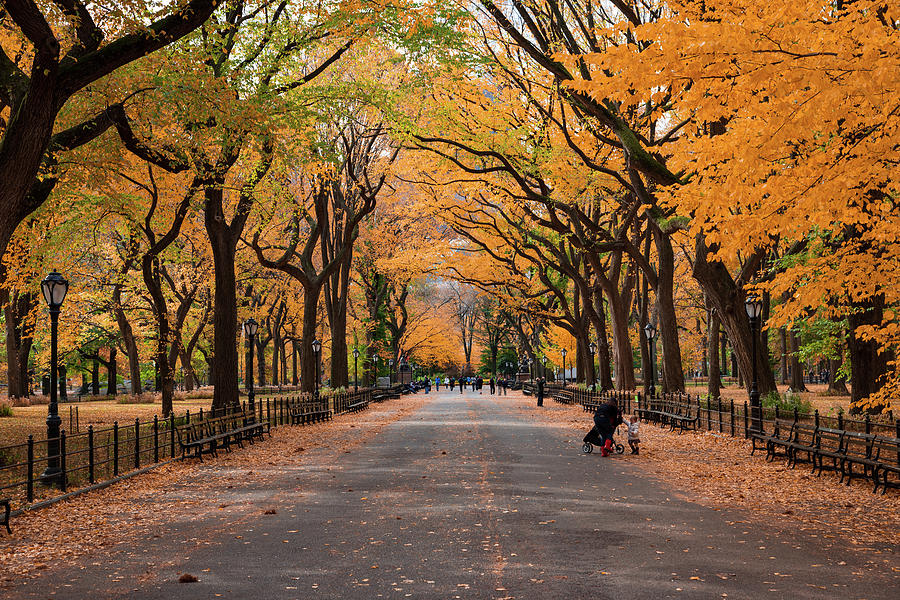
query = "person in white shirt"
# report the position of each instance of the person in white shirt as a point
(633, 438)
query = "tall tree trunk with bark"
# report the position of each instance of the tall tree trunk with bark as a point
(673, 373)
(836, 383)
(797, 383)
(728, 298)
(20, 324)
(714, 384)
(867, 365)
(112, 372)
(127, 333)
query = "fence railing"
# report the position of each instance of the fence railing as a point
(103, 453)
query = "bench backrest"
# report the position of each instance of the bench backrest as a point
(887, 449)
(830, 439)
(804, 434)
(859, 444)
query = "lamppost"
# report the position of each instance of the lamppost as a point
(544, 362)
(250, 328)
(355, 360)
(530, 371)
(753, 305)
(650, 331)
(391, 371)
(375, 363)
(592, 348)
(54, 288)
(317, 348)
(563, 352)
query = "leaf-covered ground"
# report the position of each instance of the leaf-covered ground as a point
(140, 507)
(717, 470)
(709, 469)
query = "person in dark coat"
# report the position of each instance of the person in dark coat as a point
(493, 385)
(606, 419)
(540, 391)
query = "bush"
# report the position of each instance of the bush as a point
(5, 409)
(787, 402)
(135, 399)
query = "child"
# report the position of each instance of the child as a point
(633, 439)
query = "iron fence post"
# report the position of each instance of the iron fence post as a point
(172, 435)
(137, 443)
(90, 453)
(116, 449)
(63, 476)
(29, 490)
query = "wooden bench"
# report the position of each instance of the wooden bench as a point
(830, 444)
(678, 415)
(4, 502)
(803, 441)
(358, 406)
(886, 447)
(303, 414)
(859, 449)
(781, 436)
(219, 432)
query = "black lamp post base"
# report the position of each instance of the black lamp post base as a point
(51, 476)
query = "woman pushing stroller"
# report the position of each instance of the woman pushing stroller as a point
(606, 419)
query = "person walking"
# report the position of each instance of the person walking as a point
(540, 391)
(437, 384)
(493, 385)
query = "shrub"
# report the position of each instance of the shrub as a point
(135, 399)
(6, 409)
(787, 402)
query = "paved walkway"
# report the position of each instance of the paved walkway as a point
(470, 497)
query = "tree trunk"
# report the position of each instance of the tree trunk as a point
(728, 300)
(714, 384)
(261, 361)
(295, 380)
(867, 365)
(673, 373)
(782, 338)
(836, 383)
(62, 374)
(190, 378)
(723, 363)
(603, 354)
(112, 373)
(131, 349)
(19, 339)
(797, 383)
(224, 368)
(95, 378)
(622, 352)
(307, 356)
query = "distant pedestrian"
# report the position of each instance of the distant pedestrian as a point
(437, 384)
(493, 385)
(540, 391)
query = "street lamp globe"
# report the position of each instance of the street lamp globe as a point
(54, 288)
(356, 353)
(592, 347)
(650, 331)
(753, 305)
(251, 327)
(316, 346)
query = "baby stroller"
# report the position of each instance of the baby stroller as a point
(593, 439)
